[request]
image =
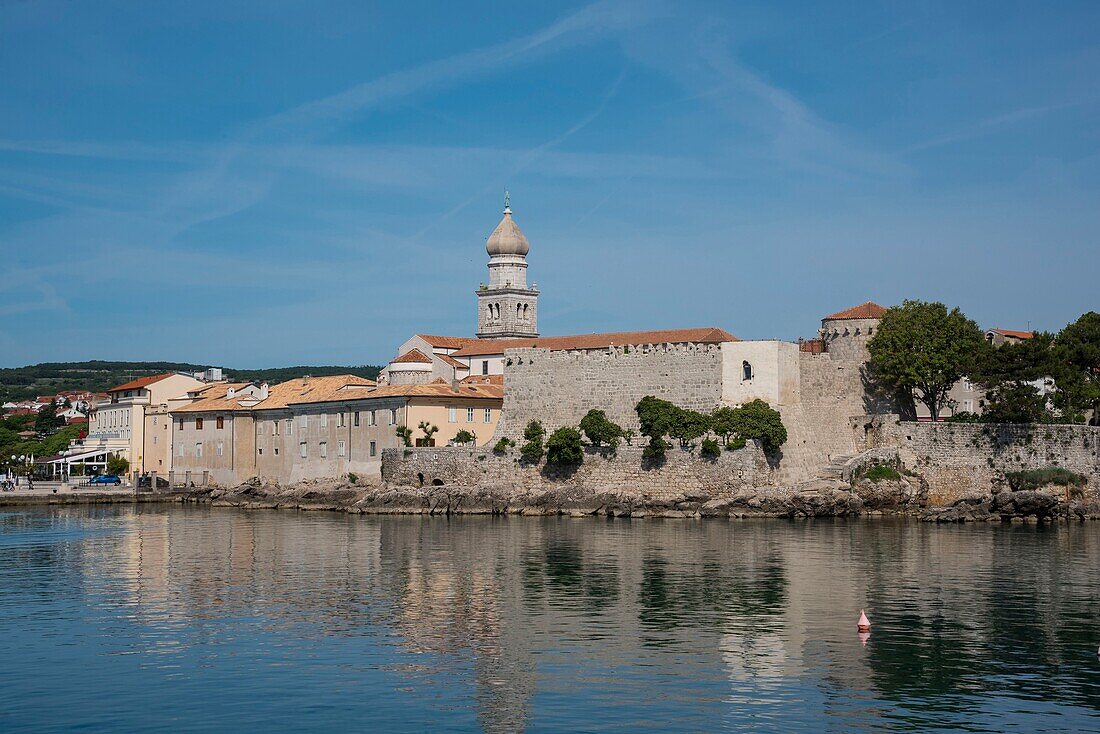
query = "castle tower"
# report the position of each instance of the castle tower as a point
(507, 308)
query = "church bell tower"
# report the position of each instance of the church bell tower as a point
(507, 308)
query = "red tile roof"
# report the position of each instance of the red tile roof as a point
(869, 310)
(141, 382)
(412, 356)
(1015, 334)
(706, 335)
(454, 362)
(447, 342)
(483, 380)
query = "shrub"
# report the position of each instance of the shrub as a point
(429, 430)
(598, 429)
(564, 447)
(501, 447)
(532, 451)
(880, 472)
(735, 444)
(964, 417)
(688, 425)
(464, 437)
(117, 465)
(1035, 478)
(710, 449)
(655, 449)
(353, 478)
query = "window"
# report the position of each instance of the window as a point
(746, 371)
(340, 420)
(324, 420)
(469, 415)
(372, 419)
(324, 449)
(488, 415)
(303, 422)
(302, 449)
(198, 424)
(452, 414)
(275, 427)
(289, 426)
(484, 366)
(260, 452)
(198, 451)
(355, 419)
(221, 448)
(393, 416)
(219, 423)
(154, 440)
(276, 450)
(341, 449)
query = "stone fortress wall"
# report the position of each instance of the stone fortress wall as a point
(960, 458)
(559, 387)
(622, 474)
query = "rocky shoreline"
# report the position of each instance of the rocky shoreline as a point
(906, 497)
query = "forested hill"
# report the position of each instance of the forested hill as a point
(19, 383)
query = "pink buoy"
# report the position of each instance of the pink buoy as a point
(864, 624)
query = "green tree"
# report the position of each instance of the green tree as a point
(599, 429)
(688, 425)
(532, 450)
(47, 421)
(656, 418)
(501, 447)
(723, 421)
(563, 448)
(1008, 373)
(428, 430)
(1077, 352)
(465, 437)
(117, 465)
(758, 420)
(405, 434)
(921, 349)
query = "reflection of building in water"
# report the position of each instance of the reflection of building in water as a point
(514, 607)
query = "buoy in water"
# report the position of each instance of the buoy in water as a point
(864, 624)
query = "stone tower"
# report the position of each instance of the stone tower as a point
(507, 308)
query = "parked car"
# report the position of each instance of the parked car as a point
(105, 479)
(146, 482)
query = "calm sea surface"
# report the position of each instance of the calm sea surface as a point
(126, 619)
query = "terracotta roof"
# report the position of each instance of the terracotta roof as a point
(437, 389)
(414, 356)
(303, 390)
(484, 380)
(869, 310)
(142, 382)
(447, 342)
(213, 397)
(706, 335)
(1015, 334)
(447, 359)
(279, 396)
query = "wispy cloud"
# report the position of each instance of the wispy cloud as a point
(990, 125)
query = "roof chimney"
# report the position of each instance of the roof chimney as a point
(263, 391)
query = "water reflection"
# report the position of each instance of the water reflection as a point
(512, 624)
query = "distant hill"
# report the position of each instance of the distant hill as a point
(20, 383)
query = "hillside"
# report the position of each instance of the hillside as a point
(19, 383)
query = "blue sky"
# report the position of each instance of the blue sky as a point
(265, 184)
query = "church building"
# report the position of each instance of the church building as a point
(507, 317)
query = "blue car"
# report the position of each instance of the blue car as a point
(105, 479)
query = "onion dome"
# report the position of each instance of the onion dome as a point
(507, 238)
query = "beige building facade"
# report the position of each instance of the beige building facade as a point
(132, 421)
(315, 428)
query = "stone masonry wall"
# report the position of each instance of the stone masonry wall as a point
(961, 458)
(558, 388)
(625, 473)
